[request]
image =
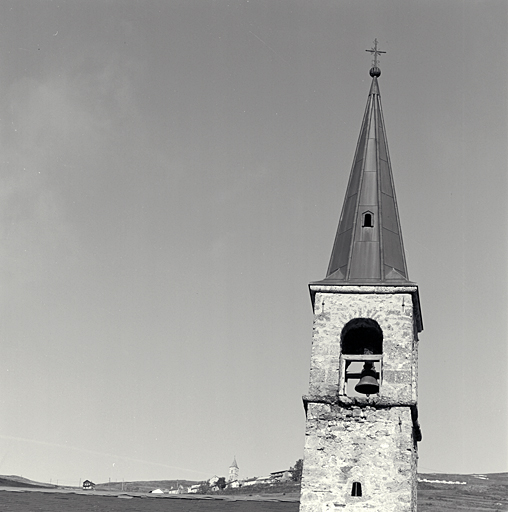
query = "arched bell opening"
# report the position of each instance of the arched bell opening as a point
(361, 354)
(362, 336)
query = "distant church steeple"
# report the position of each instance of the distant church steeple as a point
(233, 471)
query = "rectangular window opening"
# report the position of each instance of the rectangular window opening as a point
(357, 489)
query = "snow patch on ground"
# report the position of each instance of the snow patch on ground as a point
(441, 481)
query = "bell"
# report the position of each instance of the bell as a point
(368, 384)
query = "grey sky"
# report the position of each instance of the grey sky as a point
(172, 174)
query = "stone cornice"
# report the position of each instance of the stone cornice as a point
(333, 288)
(378, 402)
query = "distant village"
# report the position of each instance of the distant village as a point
(231, 482)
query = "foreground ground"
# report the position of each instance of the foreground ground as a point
(436, 493)
(33, 501)
(59, 501)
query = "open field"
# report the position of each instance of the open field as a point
(436, 493)
(475, 493)
(64, 501)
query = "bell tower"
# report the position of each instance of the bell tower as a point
(362, 418)
(233, 471)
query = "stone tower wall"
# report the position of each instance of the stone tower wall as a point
(358, 444)
(369, 440)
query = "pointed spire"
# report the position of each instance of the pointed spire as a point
(368, 247)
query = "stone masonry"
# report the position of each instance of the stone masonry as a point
(370, 440)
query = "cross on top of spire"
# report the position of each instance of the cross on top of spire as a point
(375, 52)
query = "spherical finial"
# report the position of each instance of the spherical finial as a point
(374, 72)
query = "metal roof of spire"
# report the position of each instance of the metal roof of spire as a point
(368, 247)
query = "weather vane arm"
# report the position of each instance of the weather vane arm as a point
(375, 52)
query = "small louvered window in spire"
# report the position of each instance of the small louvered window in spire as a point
(368, 220)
